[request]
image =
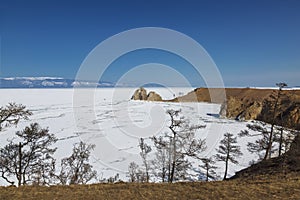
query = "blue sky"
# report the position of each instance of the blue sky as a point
(253, 43)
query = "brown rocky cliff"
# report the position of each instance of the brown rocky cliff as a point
(248, 104)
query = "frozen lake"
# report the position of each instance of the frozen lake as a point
(114, 123)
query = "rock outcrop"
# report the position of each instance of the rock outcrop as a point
(240, 110)
(141, 94)
(152, 96)
(251, 104)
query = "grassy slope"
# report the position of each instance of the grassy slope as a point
(233, 189)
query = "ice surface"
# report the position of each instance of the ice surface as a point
(114, 123)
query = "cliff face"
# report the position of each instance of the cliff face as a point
(261, 107)
(250, 104)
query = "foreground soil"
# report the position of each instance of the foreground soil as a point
(265, 188)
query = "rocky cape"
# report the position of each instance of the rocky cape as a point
(257, 104)
(242, 103)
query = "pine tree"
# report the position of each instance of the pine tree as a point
(228, 151)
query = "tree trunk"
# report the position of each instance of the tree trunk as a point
(269, 148)
(147, 177)
(280, 141)
(281, 135)
(174, 159)
(20, 165)
(169, 162)
(163, 174)
(226, 168)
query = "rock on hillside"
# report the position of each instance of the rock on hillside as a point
(141, 94)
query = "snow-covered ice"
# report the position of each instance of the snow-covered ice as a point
(114, 123)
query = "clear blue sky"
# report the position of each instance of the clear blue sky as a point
(253, 43)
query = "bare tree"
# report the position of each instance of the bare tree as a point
(161, 163)
(268, 135)
(133, 170)
(12, 114)
(208, 166)
(145, 150)
(284, 138)
(275, 108)
(76, 169)
(228, 151)
(114, 179)
(30, 159)
(180, 143)
(261, 131)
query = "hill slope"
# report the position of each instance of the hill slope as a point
(286, 164)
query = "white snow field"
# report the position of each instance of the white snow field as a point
(115, 123)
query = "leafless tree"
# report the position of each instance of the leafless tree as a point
(180, 143)
(228, 151)
(76, 169)
(29, 160)
(161, 163)
(133, 170)
(208, 166)
(267, 136)
(12, 114)
(260, 145)
(145, 150)
(284, 137)
(275, 110)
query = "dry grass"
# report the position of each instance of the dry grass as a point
(265, 188)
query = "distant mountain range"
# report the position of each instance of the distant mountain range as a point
(49, 82)
(57, 82)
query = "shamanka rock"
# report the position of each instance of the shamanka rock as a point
(152, 96)
(141, 94)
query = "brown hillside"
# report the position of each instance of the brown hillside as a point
(248, 103)
(205, 94)
(286, 164)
